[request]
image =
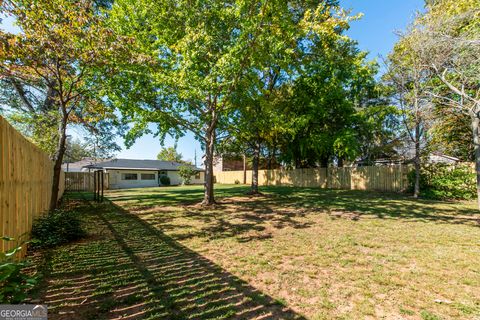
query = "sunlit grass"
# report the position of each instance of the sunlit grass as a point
(126, 269)
(294, 253)
(330, 253)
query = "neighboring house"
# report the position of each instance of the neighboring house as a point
(433, 156)
(408, 158)
(239, 163)
(230, 163)
(436, 157)
(129, 173)
(80, 165)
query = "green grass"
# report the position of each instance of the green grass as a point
(293, 253)
(126, 268)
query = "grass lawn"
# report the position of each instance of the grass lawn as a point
(293, 253)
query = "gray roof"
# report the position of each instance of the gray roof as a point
(139, 165)
(78, 165)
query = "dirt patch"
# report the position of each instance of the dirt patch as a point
(345, 215)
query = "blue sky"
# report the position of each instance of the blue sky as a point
(374, 33)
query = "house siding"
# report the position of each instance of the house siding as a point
(116, 181)
(176, 180)
(199, 181)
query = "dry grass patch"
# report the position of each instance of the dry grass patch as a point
(128, 269)
(331, 254)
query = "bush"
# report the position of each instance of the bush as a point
(186, 172)
(164, 180)
(237, 181)
(58, 227)
(446, 182)
(13, 282)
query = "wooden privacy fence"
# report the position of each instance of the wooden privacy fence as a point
(82, 181)
(381, 178)
(26, 175)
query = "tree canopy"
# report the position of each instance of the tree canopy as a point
(278, 80)
(197, 58)
(52, 72)
(435, 69)
(170, 154)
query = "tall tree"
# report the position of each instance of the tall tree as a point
(77, 150)
(170, 154)
(450, 35)
(379, 126)
(410, 77)
(90, 147)
(51, 67)
(451, 134)
(195, 56)
(323, 107)
(253, 126)
(272, 115)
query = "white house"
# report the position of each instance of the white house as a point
(129, 173)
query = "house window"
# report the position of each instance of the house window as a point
(197, 176)
(129, 176)
(148, 176)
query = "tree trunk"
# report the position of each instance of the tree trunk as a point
(324, 162)
(255, 162)
(210, 137)
(476, 144)
(58, 159)
(271, 158)
(298, 163)
(416, 191)
(244, 169)
(340, 162)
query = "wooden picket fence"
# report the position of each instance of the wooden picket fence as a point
(82, 181)
(380, 178)
(26, 175)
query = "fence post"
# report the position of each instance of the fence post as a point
(94, 185)
(102, 174)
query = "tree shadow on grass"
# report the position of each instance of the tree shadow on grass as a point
(242, 220)
(379, 205)
(254, 218)
(359, 203)
(130, 270)
(170, 195)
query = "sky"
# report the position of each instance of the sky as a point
(375, 33)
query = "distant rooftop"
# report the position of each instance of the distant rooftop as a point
(138, 164)
(78, 165)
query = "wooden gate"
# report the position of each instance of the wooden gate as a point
(82, 181)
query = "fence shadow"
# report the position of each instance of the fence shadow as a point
(128, 269)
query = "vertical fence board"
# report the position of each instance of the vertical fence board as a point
(380, 178)
(25, 184)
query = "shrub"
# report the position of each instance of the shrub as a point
(165, 180)
(13, 282)
(58, 227)
(237, 181)
(186, 172)
(446, 182)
